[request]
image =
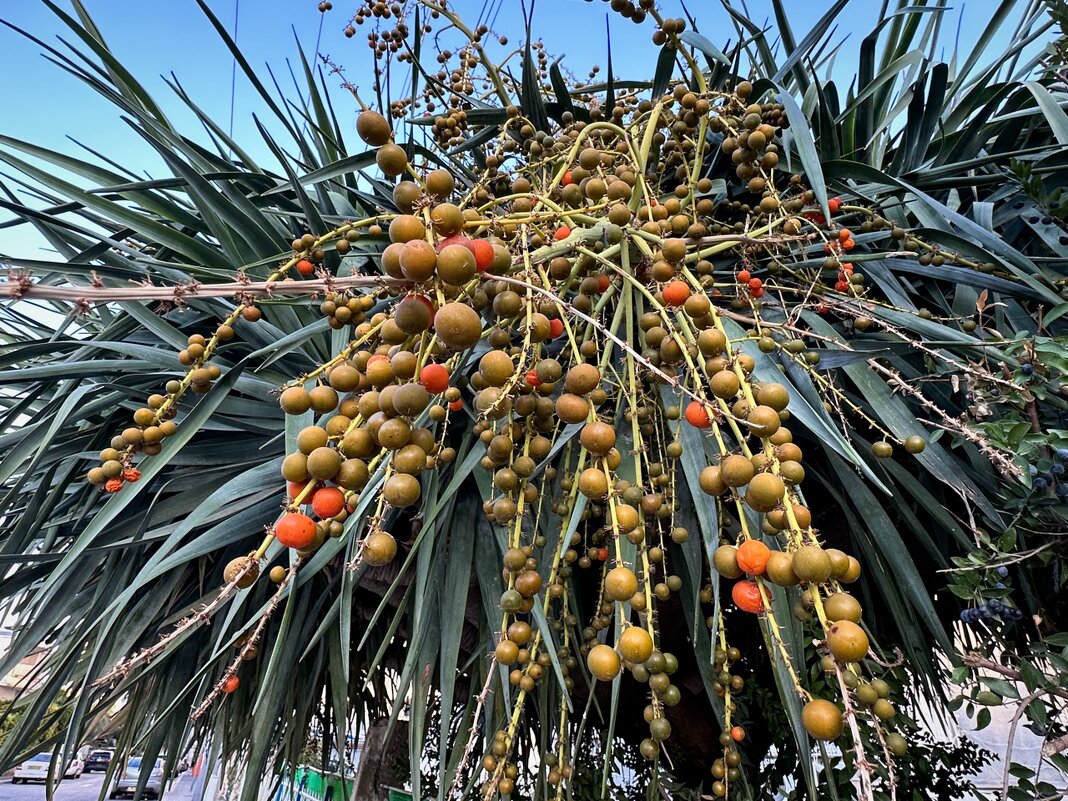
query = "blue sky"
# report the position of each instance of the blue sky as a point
(43, 104)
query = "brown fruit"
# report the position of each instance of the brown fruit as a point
(765, 492)
(572, 408)
(373, 128)
(456, 265)
(812, 564)
(379, 548)
(774, 395)
(736, 471)
(593, 483)
(603, 662)
(598, 438)
(853, 573)
(839, 562)
(711, 480)
(406, 228)
(780, 569)
(725, 560)
(235, 566)
(406, 195)
(440, 183)
(582, 379)
(458, 325)
(847, 641)
(401, 490)
(763, 421)
(842, 606)
(323, 463)
(620, 583)
(412, 316)
(822, 719)
(635, 645)
(417, 260)
(391, 159)
(724, 384)
(447, 219)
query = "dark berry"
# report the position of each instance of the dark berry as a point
(1062, 454)
(1057, 469)
(1033, 470)
(1002, 571)
(1026, 369)
(1041, 483)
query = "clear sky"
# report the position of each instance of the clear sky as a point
(154, 38)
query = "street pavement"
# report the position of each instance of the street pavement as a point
(87, 788)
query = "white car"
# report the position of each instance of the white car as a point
(37, 768)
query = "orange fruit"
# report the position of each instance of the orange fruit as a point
(230, 684)
(328, 502)
(746, 596)
(697, 415)
(295, 530)
(676, 293)
(434, 378)
(753, 557)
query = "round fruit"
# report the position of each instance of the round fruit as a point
(593, 483)
(774, 395)
(582, 379)
(753, 557)
(507, 652)
(847, 641)
(328, 502)
(780, 569)
(323, 463)
(417, 260)
(883, 709)
(697, 415)
(406, 228)
(401, 490)
(235, 566)
(620, 583)
(853, 573)
(676, 293)
(711, 480)
(440, 183)
(294, 530)
(379, 548)
(842, 606)
(635, 644)
(822, 720)
(373, 128)
(765, 492)
(277, 574)
(603, 662)
(746, 596)
(812, 564)
(839, 562)
(458, 325)
(456, 265)
(736, 471)
(882, 450)
(897, 744)
(915, 444)
(391, 159)
(598, 437)
(763, 421)
(295, 400)
(725, 560)
(230, 684)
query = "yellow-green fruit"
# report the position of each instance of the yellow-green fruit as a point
(822, 720)
(456, 265)
(724, 384)
(765, 491)
(725, 560)
(883, 709)
(235, 566)
(310, 438)
(277, 574)
(915, 444)
(812, 564)
(379, 548)
(847, 641)
(592, 483)
(440, 183)
(603, 662)
(635, 645)
(897, 744)
(842, 606)
(620, 583)
(458, 325)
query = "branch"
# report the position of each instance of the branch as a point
(21, 288)
(974, 660)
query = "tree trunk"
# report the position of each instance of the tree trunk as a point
(383, 763)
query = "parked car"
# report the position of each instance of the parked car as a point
(98, 759)
(37, 768)
(126, 786)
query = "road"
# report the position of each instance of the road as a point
(87, 788)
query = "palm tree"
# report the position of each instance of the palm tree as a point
(857, 275)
